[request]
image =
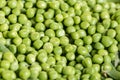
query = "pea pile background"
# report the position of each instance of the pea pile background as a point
(59, 40)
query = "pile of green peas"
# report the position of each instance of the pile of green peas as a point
(58, 39)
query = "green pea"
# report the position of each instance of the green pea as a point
(13, 48)
(89, 48)
(23, 65)
(22, 19)
(64, 6)
(68, 21)
(82, 50)
(8, 75)
(114, 24)
(106, 23)
(86, 16)
(5, 64)
(60, 33)
(39, 18)
(71, 2)
(78, 42)
(87, 39)
(55, 41)
(118, 37)
(112, 56)
(42, 56)
(21, 57)
(54, 4)
(113, 48)
(2, 19)
(45, 66)
(59, 17)
(45, 39)
(41, 4)
(17, 41)
(15, 27)
(49, 14)
(68, 48)
(37, 44)
(91, 30)
(89, 70)
(78, 12)
(107, 59)
(51, 61)
(111, 33)
(102, 52)
(52, 74)
(82, 33)
(30, 58)
(70, 56)
(95, 76)
(43, 75)
(30, 12)
(3, 3)
(54, 26)
(48, 47)
(68, 70)
(34, 36)
(28, 4)
(87, 62)
(24, 73)
(3, 40)
(106, 41)
(98, 45)
(50, 33)
(85, 76)
(6, 10)
(24, 33)
(96, 37)
(98, 59)
(94, 21)
(4, 27)
(14, 66)
(106, 67)
(96, 67)
(98, 8)
(22, 48)
(59, 68)
(26, 41)
(105, 15)
(100, 28)
(84, 25)
(70, 29)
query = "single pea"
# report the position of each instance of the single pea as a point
(98, 45)
(43, 75)
(8, 75)
(52, 74)
(54, 26)
(6, 10)
(106, 41)
(112, 56)
(45, 39)
(106, 67)
(79, 66)
(87, 39)
(51, 61)
(102, 52)
(21, 58)
(17, 41)
(85, 8)
(37, 44)
(42, 34)
(113, 48)
(15, 27)
(82, 50)
(64, 6)
(96, 67)
(94, 21)
(3, 3)
(48, 47)
(42, 56)
(106, 23)
(23, 65)
(40, 27)
(20, 4)
(2, 19)
(105, 15)
(12, 48)
(68, 21)
(59, 68)
(34, 36)
(68, 70)
(3, 40)
(59, 17)
(77, 6)
(55, 41)
(87, 62)
(78, 42)
(97, 8)
(22, 48)
(71, 2)
(89, 70)
(24, 73)
(28, 4)
(84, 25)
(86, 16)
(30, 58)
(41, 4)
(100, 28)
(89, 47)
(107, 59)
(26, 41)
(70, 29)
(12, 3)
(111, 33)
(78, 13)
(85, 76)
(98, 59)
(95, 76)
(16, 11)
(8, 56)
(39, 18)
(96, 37)
(57, 50)
(114, 24)
(28, 23)
(54, 4)
(22, 19)
(91, 30)
(50, 33)
(82, 33)
(45, 66)
(14, 66)
(5, 64)
(49, 14)
(24, 33)
(4, 27)
(68, 48)
(70, 56)
(60, 32)
(30, 12)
